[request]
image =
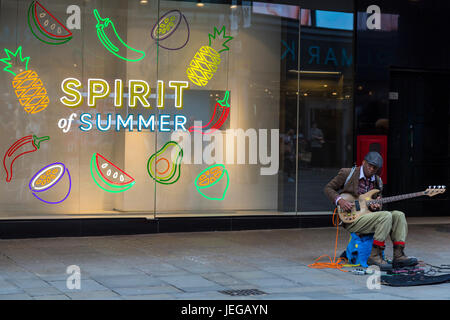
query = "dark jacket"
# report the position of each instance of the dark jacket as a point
(336, 185)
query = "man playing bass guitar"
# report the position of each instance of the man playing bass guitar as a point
(381, 223)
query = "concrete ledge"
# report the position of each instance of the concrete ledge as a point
(41, 228)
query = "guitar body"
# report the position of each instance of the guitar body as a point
(359, 205)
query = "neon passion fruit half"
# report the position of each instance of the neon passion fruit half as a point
(48, 178)
(166, 25)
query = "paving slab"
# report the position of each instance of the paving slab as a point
(30, 283)
(48, 291)
(94, 295)
(128, 281)
(19, 296)
(154, 290)
(52, 297)
(224, 279)
(85, 286)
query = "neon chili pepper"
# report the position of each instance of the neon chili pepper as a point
(225, 111)
(22, 146)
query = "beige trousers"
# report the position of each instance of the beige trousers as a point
(382, 224)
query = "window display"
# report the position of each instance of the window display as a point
(160, 108)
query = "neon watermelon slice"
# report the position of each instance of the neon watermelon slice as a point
(108, 176)
(45, 26)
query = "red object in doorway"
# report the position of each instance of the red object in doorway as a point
(364, 144)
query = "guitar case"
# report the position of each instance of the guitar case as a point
(409, 280)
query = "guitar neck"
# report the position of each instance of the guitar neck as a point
(397, 198)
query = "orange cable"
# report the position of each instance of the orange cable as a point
(333, 264)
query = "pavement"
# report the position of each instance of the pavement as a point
(201, 265)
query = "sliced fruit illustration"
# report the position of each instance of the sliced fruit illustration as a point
(45, 27)
(27, 85)
(221, 106)
(167, 25)
(108, 176)
(108, 36)
(207, 59)
(210, 177)
(164, 166)
(47, 178)
(25, 145)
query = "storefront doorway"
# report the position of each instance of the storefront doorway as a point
(419, 138)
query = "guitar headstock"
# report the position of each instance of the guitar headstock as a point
(434, 190)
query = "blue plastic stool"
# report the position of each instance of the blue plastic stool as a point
(359, 249)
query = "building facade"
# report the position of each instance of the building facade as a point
(155, 116)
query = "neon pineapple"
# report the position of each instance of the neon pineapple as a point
(207, 59)
(27, 85)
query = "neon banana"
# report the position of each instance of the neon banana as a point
(108, 42)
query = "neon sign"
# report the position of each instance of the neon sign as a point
(120, 49)
(163, 170)
(210, 127)
(167, 25)
(138, 90)
(152, 122)
(47, 178)
(22, 146)
(27, 85)
(207, 59)
(210, 177)
(108, 177)
(45, 27)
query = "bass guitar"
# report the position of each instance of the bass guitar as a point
(362, 203)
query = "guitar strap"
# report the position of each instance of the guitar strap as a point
(379, 181)
(350, 175)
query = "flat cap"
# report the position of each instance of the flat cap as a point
(374, 158)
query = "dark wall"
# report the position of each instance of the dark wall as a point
(409, 56)
(414, 34)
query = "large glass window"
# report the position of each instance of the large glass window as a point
(172, 108)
